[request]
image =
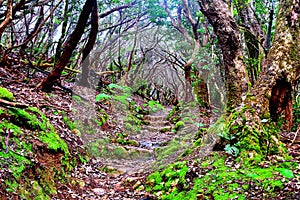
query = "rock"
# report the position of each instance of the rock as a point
(131, 179)
(165, 129)
(98, 191)
(137, 184)
(140, 188)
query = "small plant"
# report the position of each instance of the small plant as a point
(178, 125)
(5, 94)
(102, 96)
(155, 106)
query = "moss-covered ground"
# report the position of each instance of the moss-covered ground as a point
(32, 151)
(219, 176)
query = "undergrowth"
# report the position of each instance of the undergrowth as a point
(219, 176)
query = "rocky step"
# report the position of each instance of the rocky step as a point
(139, 153)
(152, 145)
(160, 129)
(152, 137)
(155, 118)
(157, 123)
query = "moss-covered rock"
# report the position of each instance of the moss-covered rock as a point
(5, 94)
(165, 129)
(28, 118)
(178, 125)
(32, 149)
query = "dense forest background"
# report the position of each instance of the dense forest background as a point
(204, 95)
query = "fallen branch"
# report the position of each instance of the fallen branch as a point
(13, 104)
(105, 73)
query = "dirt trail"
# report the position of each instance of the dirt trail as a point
(124, 177)
(155, 134)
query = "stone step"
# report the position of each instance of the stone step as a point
(152, 145)
(152, 137)
(157, 123)
(163, 129)
(155, 118)
(139, 153)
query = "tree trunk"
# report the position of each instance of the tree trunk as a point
(252, 124)
(254, 37)
(70, 46)
(273, 89)
(85, 62)
(226, 29)
(8, 17)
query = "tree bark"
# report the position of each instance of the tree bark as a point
(254, 37)
(226, 29)
(85, 62)
(8, 17)
(252, 124)
(70, 46)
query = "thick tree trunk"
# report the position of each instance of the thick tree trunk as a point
(252, 123)
(273, 89)
(85, 62)
(254, 37)
(226, 29)
(70, 46)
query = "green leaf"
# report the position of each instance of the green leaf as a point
(252, 175)
(201, 124)
(285, 172)
(102, 96)
(56, 21)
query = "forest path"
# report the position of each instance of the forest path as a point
(123, 177)
(140, 155)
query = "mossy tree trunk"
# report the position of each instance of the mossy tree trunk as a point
(252, 123)
(226, 29)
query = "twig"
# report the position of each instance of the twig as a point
(13, 104)
(298, 129)
(6, 140)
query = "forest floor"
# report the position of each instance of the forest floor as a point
(100, 178)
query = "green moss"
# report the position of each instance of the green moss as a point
(5, 94)
(131, 127)
(18, 158)
(38, 192)
(165, 129)
(11, 186)
(5, 125)
(69, 123)
(29, 120)
(178, 125)
(54, 142)
(77, 99)
(218, 181)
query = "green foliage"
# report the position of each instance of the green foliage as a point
(20, 163)
(157, 14)
(11, 186)
(178, 125)
(54, 142)
(5, 94)
(218, 181)
(285, 172)
(29, 120)
(169, 179)
(155, 106)
(232, 150)
(76, 98)
(69, 123)
(102, 96)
